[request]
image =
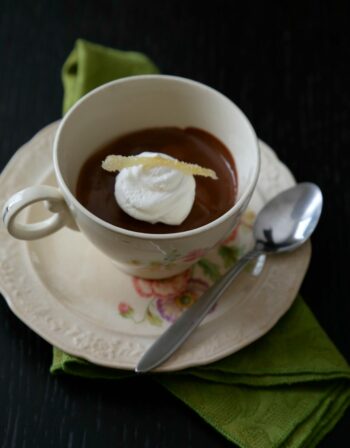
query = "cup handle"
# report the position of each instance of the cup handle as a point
(54, 201)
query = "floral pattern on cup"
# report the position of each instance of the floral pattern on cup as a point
(168, 298)
(194, 255)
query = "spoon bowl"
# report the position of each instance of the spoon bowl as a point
(289, 219)
(284, 224)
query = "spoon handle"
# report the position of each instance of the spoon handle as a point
(179, 331)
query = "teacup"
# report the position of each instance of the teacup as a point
(123, 106)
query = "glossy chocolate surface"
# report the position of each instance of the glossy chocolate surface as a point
(95, 187)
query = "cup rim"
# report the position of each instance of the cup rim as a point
(158, 236)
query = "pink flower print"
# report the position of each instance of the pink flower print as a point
(162, 289)
(170, 309)
(194, 255)
(125, 310)
(143, 287)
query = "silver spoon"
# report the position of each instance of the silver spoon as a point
(284, 224)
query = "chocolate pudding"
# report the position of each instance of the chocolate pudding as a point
(95, 187)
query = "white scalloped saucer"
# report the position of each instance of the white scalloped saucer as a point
(72, 296)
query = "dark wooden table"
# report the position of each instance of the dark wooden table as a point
(287, 67)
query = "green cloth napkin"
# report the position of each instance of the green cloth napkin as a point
(288, 389)
(90, 65)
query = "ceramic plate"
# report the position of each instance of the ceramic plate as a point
(72, 296)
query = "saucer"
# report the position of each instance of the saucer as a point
(70, 294)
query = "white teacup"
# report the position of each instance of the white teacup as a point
(124, 106)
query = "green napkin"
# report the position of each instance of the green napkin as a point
(90, 65)
(288, 389)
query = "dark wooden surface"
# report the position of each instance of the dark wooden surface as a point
(286, 66)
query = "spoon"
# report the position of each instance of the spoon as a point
(283, 225)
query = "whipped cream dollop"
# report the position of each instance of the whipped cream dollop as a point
(156, 194)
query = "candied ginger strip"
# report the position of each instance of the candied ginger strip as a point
(114, 163)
